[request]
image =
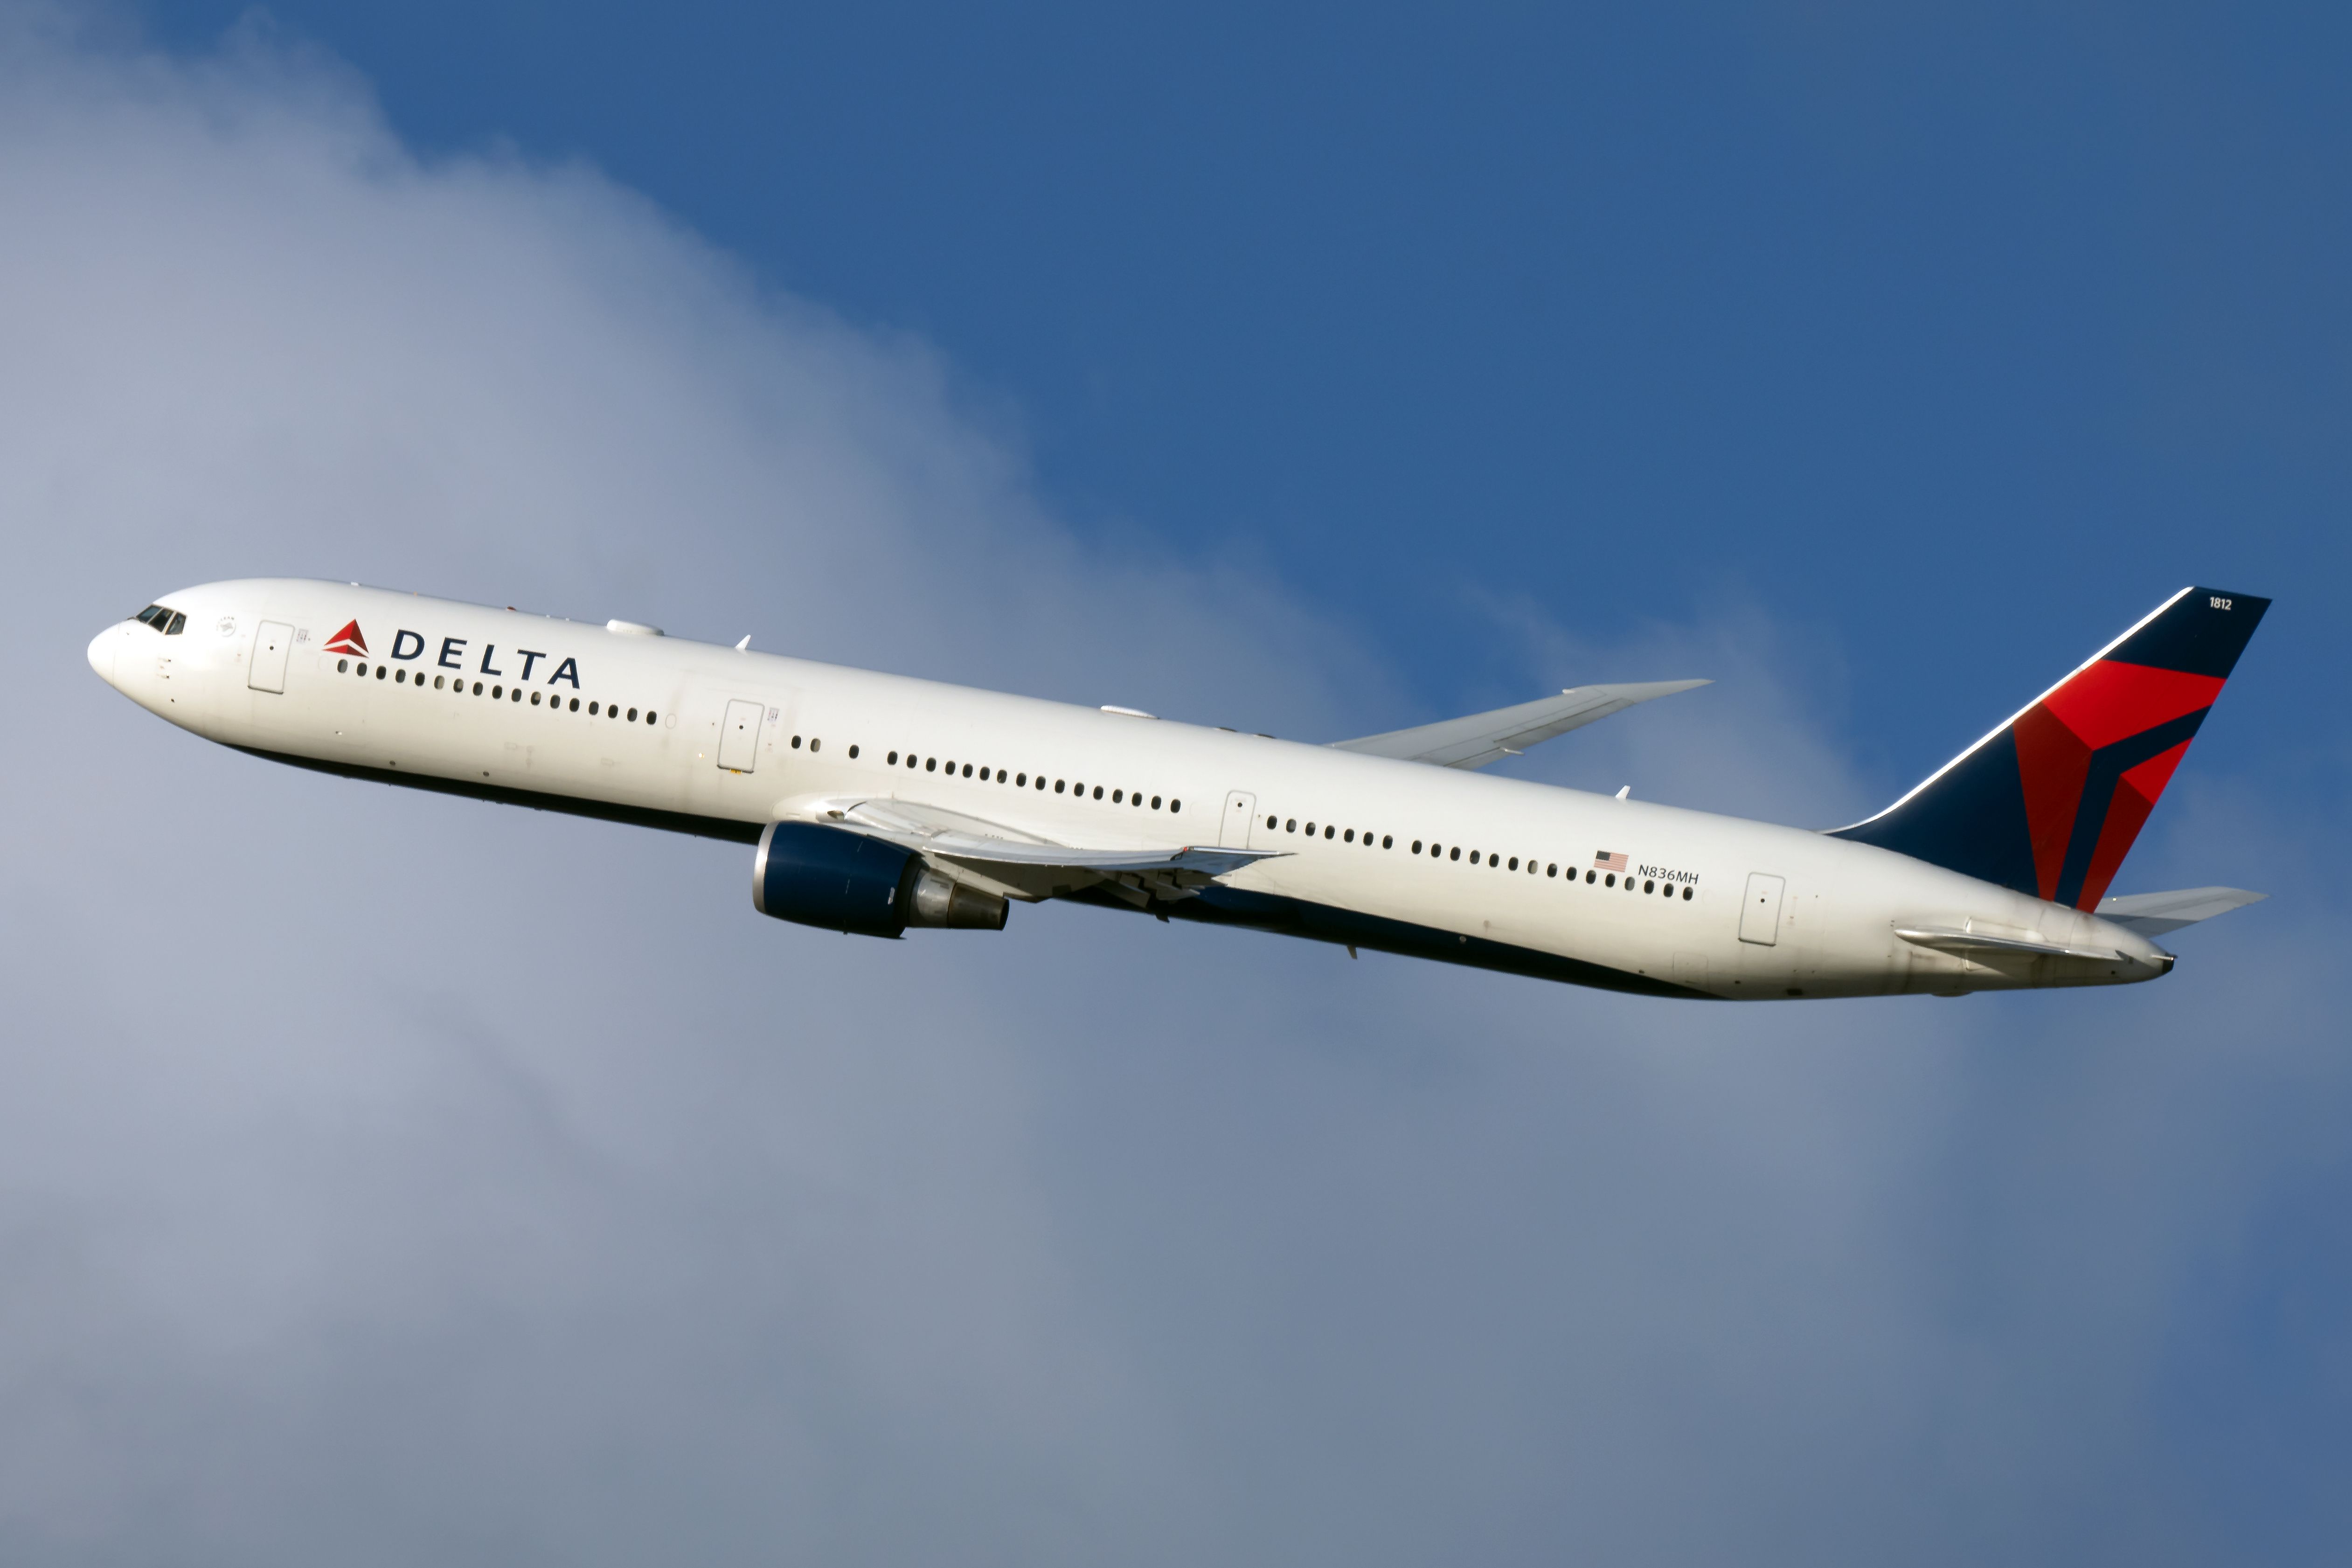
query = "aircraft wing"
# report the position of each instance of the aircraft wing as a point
(2154, 914)
(1477, 738)
(1014, 863)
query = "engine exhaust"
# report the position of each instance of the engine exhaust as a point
(932, 900)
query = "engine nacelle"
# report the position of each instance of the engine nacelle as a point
(844, 881)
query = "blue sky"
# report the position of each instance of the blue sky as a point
(388, 1178)
(1991, 326)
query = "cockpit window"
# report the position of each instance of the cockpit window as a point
(169, 622)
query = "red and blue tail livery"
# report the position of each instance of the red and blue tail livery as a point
(2050, 802)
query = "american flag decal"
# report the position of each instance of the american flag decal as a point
(1608, 860)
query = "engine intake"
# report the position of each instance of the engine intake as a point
(828, 877)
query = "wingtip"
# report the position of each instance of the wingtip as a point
(1640, 691)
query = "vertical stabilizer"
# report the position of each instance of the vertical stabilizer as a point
(2050, 802)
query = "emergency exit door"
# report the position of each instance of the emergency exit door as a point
(738, 736)
(1234, 831)
(1760, 916)
(266, 671)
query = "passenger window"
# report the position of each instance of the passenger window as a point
(436, 686)
(1552, 869)
(1349, 836)
(1587, 879)
(498, 692)
(1019, 780)
(1271, 822)
(1649, 887)
(815, 745)
(342, 666)
(516, 695)
(893, 759)
(1686, 893)
(853, 751)
(594, 709)
(1155, 802)
(966, 770)
(574, 705)
(1386, 841)
(1291, 826)
(1057, 786)
(1328, 830)
(534, 698)
(1118, 797)
(1515, 862)
(1174, 807)
(1097, 791)
(1610, 881)
(380, 672)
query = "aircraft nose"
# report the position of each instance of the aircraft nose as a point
(101, 652)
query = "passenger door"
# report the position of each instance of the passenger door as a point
(738, 736)
(1759, 912)
(1233, 828)
(271, 644)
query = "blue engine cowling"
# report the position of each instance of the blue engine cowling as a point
(846, 881)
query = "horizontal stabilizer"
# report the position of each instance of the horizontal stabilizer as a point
(1477, 738)
(1966, 942)
(2154, 914)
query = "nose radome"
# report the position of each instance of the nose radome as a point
(101, 652)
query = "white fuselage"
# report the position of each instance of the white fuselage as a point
(1698, 906)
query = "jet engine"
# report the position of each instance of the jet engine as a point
(844, 881)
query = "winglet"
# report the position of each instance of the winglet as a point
(1477, 738)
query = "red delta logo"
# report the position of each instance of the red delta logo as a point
(347, 640)
(2092, 756)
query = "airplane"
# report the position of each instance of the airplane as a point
(878, 804)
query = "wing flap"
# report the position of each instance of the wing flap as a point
(1477, 739)
(1008, 861)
